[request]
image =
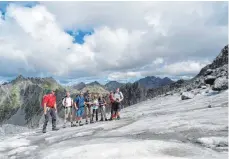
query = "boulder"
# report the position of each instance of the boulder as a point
(220, 84)
(168, 93)
(187, 95)
(210, 79)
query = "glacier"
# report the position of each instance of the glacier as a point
(165, 127)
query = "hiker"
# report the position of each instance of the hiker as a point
(79, 106)
(67, 103)
(95, 108)
(88, 107)
(50, 108)
(111, 97)
(102, 108)
(118, 97)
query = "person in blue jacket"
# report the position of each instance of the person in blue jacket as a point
(79, 106)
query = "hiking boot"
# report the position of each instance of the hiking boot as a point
(72, 124)
(80, 123)
(106, 119)
(44, 130)
(91, 121)
(86, 122)
(55, 129)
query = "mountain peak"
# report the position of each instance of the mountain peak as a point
(94, 83)
(79, 86)
(154, 82)
(113, 85)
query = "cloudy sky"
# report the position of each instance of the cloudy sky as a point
(123, 41)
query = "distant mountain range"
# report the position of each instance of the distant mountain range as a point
(154, 82)
(147, 82)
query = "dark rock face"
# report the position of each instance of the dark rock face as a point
(154, 82)
(209, 79)
(133, 93)
(151, 93)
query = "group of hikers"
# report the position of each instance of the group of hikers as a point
(85, 104)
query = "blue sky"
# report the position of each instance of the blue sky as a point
(4, 4)
(124, 42)
(78, 35)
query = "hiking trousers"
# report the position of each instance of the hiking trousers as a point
(88, 112)
(67, 113)
(112, 110)
(103, 112)
(95, 113)
(52, 113)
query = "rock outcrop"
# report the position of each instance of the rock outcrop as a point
(220, 84)
(133, 93)
(187, 95)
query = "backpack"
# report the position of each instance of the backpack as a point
(121, 95)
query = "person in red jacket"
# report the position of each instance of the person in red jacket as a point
(112, 100)
(49, 104)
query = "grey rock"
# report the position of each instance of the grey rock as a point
(220, 84)
(187, 95)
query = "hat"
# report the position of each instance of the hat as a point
(48, 91)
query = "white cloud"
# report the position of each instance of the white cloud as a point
(120, 76)
(184, 67)
(127, 36)
(158, 61)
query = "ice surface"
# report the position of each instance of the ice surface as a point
(165, 128)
